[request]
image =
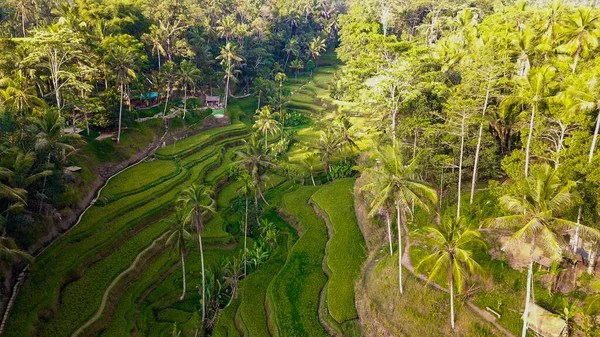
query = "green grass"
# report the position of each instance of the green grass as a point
(294, 292)
(346, 248)
(139, 177)
(187, 145)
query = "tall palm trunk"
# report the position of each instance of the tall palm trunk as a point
(167, 100)
(44, 184)
(399, 224)
(593, 146)
(266, 140)
(460, 163)
(529, 287)
(258, 107)
(184, 100)
(529, 140)
(312, 177)
(182, 253)
(452, 300)
(199, 229)
(389, 229)
(245, 238)
(477, 149)
(120, 113)
(592, 258)
(227, 81)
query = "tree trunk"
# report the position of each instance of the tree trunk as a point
(245, 238)
(460, 163)
(184, 100)
(312, 177)
(258, 107)
(167, 100)
(529, 286)
(592, 259)
(389, 228)
(44, 184)
(452, 301)
(477, 149)
(574, 68)
(199, 229)
(182, 253)
(227, 82)
(398, 222)
(120, 114)
(593, 146)
(529, 141)
(266, 141)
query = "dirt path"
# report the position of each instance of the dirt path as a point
(132, 267)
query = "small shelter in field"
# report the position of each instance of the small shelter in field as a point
(146, 100)
(213, 101)
(542, 324)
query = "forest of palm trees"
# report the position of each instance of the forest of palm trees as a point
(372, 168)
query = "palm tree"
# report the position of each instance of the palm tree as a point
(10, 251)
(228, 56)
(247, 188)
(178, 236)
(15, 194)
(266, 123)
(344, 125)
(296, 64)
(168, 75)
(50, 138)
(310, 161)
(535, 214)
(255, 160)
(395, 183)
(588, 100)
(17, 96)
(260, 87)
(226, 27)
(291, 49)
(316, 47)
(188, 75)
(199, 201)
(123, 61)
(534, 91)
(452, 257)
(580, 34)
(155, 38)
(524, 41)
(329, 145)
(281, 77)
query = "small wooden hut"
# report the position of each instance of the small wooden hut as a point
(543, 324)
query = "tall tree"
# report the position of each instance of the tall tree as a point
(580, 33)
(178, 236)
(398, 181)
(123, 54)
(265, 123)
(534, 212)
(199, 202)
(451, 258)
(189, 75)
(316, 47)
(228, 56)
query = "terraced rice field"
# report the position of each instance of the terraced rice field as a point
(111, 275)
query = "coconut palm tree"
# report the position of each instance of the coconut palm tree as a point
(189, 75)
(9, 251)
(296, 65)
(451, 258)
(155, 39)
(316, 47)
(533, 91)
(168, 75)
(178, 236)
(534, 213)
(588, 100)
(199, 202)
(291, 49)
(266, 123)
(280, 77)
(228, 55)
(394, 183)
(579, 34)
(123, 60)
(310, 161)
(51, 139)
(247, 189)
(260, 87)
(329, 145)
(255, 160)
(17, 96)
